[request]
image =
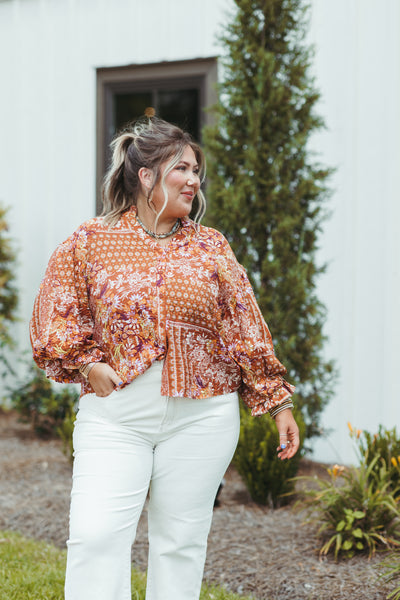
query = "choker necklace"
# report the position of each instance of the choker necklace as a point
(159, 236)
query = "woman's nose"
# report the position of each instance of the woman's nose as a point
(192, 180)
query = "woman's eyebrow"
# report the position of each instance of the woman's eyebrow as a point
(184, 162)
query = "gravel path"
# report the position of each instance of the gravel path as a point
(252, 550)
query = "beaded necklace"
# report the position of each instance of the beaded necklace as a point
(159, 236)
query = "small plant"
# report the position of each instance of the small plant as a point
(268, 479)
(350, 525)
(356, 509)
(50, 412)
(386, 445)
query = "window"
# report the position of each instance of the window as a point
(177, 91)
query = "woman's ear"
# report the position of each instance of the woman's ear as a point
(146, 178)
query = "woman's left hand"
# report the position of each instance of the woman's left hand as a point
(289, 438)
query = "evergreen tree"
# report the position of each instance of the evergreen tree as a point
(8, 293)
(265, 192)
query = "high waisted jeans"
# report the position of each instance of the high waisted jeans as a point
(135, 441)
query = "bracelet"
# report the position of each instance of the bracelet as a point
(277, 409)
(85, 369)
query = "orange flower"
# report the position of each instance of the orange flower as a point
(349, 425)
(336, 470)
(394, 461)
(359, 432)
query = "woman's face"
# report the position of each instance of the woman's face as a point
(182, 184)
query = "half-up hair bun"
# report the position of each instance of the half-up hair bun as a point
(148, 142)
(120, 145)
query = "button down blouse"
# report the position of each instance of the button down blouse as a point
(113, 294)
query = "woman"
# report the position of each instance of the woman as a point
(153, 315)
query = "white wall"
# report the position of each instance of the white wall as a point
(357, 68)
(49, 51)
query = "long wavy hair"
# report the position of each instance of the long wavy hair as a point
(148, 143)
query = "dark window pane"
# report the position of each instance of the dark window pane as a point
(180, 107)
(128, 107)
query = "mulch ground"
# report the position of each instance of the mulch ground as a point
(252, 549)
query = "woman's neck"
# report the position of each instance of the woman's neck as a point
(148, 217)
(161, 231)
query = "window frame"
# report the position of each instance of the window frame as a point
(196, 73)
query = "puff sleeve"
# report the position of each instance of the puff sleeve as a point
(62, 327)
(247, 338)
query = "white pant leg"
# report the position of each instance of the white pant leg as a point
(111, 475)
(189, 463)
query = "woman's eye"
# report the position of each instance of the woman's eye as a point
(196, 172)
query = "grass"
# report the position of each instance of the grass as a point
(31, 570)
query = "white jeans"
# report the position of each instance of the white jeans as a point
(129, 443)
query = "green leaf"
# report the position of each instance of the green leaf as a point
(340, 525)
(357, 533)
(326, 547)
(358, 514)
(338, 544)
(347, 544)
(360, 546)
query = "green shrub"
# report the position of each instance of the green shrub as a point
(50, 412)
(267, 477)
(386, 445)
(66, 429)
(355, 507)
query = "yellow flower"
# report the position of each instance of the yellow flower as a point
(336, 470)
(394, 461)
(349, 425)
(359, 432)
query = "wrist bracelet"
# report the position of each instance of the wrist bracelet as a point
(277, 409)
(85, 369)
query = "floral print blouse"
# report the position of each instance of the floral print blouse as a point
(113, 294)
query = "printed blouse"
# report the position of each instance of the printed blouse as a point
(112, 294)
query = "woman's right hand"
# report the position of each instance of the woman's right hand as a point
(103, 379)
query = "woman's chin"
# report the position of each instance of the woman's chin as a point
(184, 211)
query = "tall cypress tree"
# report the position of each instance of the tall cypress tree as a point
(265, 191)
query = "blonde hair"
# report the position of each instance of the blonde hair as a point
(147, 143)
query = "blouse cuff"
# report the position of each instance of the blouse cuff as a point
(261, 405)
(91, 355)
